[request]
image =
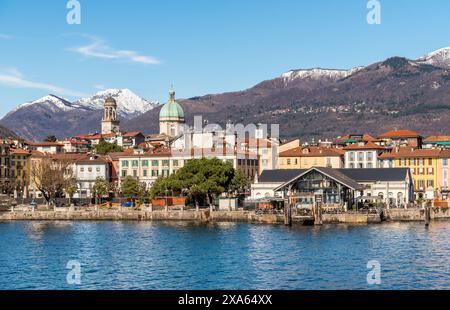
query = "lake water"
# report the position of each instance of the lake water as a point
(163, 255)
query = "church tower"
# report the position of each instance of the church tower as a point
(171, 117)
(110, 122)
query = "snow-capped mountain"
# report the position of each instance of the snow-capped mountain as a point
(318, 74)
(128, 103)
(439, 58)
(51, 102)
(52, 115)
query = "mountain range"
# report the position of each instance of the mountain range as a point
(308, 103)
(52, 115)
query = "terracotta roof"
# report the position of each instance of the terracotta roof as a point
(400, 134)
(19, 152)
(364, 146)
(311, 152)
(37, 144)
(365, 138)
(406, 152)
(132, 134)
(252, 142)
(437, 139)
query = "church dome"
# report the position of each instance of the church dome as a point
(110, 102)
(172, 110)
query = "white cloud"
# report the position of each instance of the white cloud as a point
(100, 49)
(12, 77)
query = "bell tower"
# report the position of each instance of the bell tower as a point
(110, 122)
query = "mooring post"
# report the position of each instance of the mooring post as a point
(427, 214)
(288, 214)
(317, 214)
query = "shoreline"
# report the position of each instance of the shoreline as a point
(205, 216)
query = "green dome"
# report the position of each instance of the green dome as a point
(172, 109)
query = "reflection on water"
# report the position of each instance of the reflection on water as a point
(182, 255)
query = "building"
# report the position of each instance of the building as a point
(308, 157)
(337, 187)
(423, 164)
(401, 138)
(436, 142)
(45, 147)
(87, 169)
(5, 165)
(267, 150)
(76, 145)
(131, 139)
(171, 117)
(362, 155)
(347, 140)
(443, 170)
(148, 166)
(110, 121)
(20, 170)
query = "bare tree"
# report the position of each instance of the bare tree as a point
(51, 177)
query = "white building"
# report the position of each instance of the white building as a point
(87, 170)
(362, 155)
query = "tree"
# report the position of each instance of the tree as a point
(104, 147)
(202, 179)
(100, 188)
(239, 182)
(51, 177)
(132, 189)
(71, 189)
(51, 139)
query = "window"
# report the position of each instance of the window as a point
(445, 162)
(124, 173)
(82, 169)
(369, 156)
(125, 163)
(90, 169)
(421, 162)
(402, 162)
(352, 156)
(145, 163)
(98, 169)
(369, 165)
(360, 156)
(175, 163)
(135, 173)
(144, 173)
(155, 163)
(289, 161)
(155, 173)
(430, 161)
(430, 183)
(165, 163)
(135, 163)
(421, 184)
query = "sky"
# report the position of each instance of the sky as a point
(198, 46)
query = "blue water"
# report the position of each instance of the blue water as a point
(161, 255)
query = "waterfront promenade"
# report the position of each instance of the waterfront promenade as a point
(206, 215)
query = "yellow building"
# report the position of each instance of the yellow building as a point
(308, 157)
(20, 171)
(424, 166)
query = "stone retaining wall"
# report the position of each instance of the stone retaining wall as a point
(416, 214)
(217, 216)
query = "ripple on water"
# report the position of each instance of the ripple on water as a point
(170, 255)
